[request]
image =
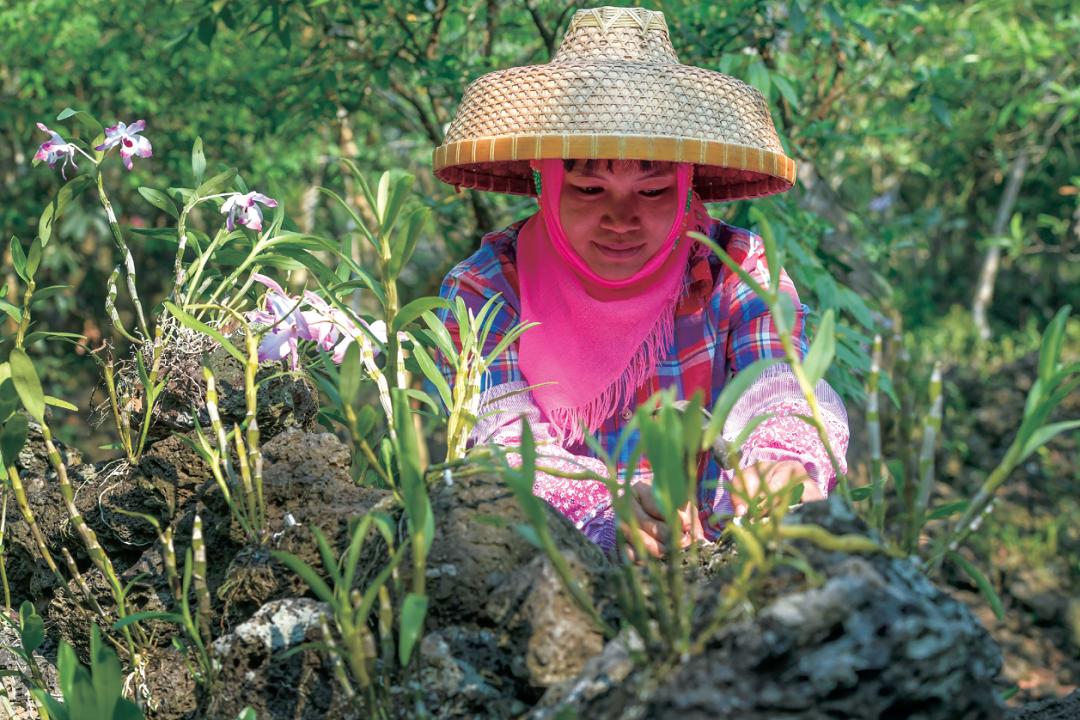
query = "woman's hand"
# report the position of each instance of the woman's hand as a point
(653, 529)
(775, 476)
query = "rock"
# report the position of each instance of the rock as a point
(875, 639)
(1064, 708)
(284, 400)
(12, 679)
(277, 625)
(600, 674)
(300, 687)
(166, 686)
(485, 577)
(552, 637)
(451, 687)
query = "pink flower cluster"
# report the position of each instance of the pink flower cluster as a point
(328, 327)
(126, 137)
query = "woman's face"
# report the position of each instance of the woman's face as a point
(618, 214)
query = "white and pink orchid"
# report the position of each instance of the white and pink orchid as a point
(242, 209)
(130, 141)
(328, 327)
(54, 149)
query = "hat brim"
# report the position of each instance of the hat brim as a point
(725, 171)
(615, 110)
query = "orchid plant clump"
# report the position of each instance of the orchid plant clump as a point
(228, 290)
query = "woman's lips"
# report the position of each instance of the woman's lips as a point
(618, 253)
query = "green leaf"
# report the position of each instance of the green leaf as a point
(783, 314)
(33, 258)
(13, 311)
(88, 121)
(352, 553)
(507, 339)
(306, 573)
(1044, 435)
(415, 309)
(160, 200)
(31, 627)
(63, 404)
(351, 374)
(822, 350)
(27, 384)
(12, 438)
(105, 675)
(9, 400)
(170, 617)
(440, 336)
(1053, 338)
(403, 252)
(733, 266)
(326, 553)
(947, 510)
(787, 91)
(413, 612)
(216, 184)
(432, 373)
(199, 326)
(198, 160)
(981, 582)
(733, 390)
(18, 258)
(47, 292)
(529, 533)
(55, 208)
(860, 493)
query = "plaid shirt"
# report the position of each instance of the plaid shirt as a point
(721, 326)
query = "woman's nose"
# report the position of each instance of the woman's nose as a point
(621, 218)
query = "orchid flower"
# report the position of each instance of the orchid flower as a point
(288, 324)
(55, 148)
(242, 209)
(129, 140)
(328, 327)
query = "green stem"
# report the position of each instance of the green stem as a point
(129, 262)
(97, 554)
(24, 321)
(873, 427)
(3, 558)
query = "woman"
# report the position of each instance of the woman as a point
(622, 145)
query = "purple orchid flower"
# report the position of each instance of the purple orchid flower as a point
(353, 334)
(242, 209)
(328, 327)
(288, 324)
(129, 140)
(55, 148)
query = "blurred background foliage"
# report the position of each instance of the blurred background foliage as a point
(938, 202)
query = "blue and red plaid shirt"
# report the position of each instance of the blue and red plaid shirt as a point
(721, 326)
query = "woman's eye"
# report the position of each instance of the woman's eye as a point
(590, 190)
(654, 193)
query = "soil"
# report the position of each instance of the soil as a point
(1027, 543)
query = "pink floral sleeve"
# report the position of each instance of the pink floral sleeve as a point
(785, 436)
(502, 409)
(587, 503)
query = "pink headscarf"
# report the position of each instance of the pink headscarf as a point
(598, 340)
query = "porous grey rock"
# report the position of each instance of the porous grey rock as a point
(875, 639)
(278, 625)
(1063, 708)
(486, 576)
(251, 671)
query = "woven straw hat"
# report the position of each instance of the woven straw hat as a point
(615, 90)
